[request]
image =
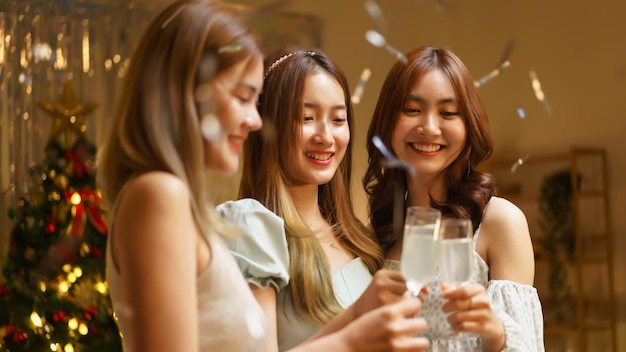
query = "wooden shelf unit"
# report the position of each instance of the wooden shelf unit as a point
(592, 242)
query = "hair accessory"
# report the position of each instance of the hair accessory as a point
(278, 62)
(229, 49)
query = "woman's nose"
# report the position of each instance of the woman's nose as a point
(253, 120)
(428, 124)
(323, 133)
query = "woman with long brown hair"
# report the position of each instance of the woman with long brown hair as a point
(307, 257)
(429, 114)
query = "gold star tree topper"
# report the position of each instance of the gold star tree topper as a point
(68, 116)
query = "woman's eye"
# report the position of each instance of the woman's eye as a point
(411, 111)
(449, 113)
(243, 98)
(307, 118)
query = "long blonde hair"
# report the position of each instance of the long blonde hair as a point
(267, 156)
(156, 127)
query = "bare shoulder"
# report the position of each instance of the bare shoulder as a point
(154, 222)
(156, 186)
(153, 199)
(502, 212)
(505, 236)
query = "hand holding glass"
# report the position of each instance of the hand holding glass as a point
(420, 249)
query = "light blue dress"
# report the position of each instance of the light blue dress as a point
(517, 305)
(263, 257)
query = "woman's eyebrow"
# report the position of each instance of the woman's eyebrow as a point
(421, 100)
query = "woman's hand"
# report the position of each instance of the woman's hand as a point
(471, 311)
(387, 286)
(388, 328)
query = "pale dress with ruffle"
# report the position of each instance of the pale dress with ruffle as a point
(263, 257)
(517, 305)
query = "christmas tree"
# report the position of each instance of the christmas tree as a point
(55, 297)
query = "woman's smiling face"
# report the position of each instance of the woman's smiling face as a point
(430, 132)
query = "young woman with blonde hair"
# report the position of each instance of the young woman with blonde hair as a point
(307, 257)
(188, 102)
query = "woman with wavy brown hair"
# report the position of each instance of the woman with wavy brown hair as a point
(429, 114)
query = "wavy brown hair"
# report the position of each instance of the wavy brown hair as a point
(267, 157)
(469, 190)
(156, 125)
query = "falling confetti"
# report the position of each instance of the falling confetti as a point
(398, 196)
(391, 160)
(519, 162)
(360, 88)
(377, 40)
(503, 63)
(376, 14)
(210, 126)
(491, 75)
(539, 92)
(521, 113)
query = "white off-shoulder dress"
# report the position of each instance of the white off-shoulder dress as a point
(517, 305)
(263, 257)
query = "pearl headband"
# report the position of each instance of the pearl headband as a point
(285, 57)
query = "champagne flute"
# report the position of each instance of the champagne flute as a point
(420, 246)
(457, 251)
(457, 257)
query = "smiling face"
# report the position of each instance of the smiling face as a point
(235, 93)
(430, 132)
(325, 132)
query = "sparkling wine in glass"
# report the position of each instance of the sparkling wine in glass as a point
(420, 246)
(457, 251)
(457, 258)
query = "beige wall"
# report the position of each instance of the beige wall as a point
(575, 47)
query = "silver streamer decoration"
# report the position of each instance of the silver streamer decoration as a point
(398, 197)
(539, 94)
(377, 40)
(503, 64)
(519, 162)
(43, 44)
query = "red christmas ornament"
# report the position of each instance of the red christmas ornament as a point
(59, 317)
(50, 228)
(91, 312)
(20, 337)
(96, 253)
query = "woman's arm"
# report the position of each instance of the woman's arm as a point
(155, 244)
(509, 250)
(267, 299)
(504, 240)
(389, 328)
(387, 287)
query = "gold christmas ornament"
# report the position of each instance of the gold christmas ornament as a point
(61, 181)
(68, 115)
(30, 254)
